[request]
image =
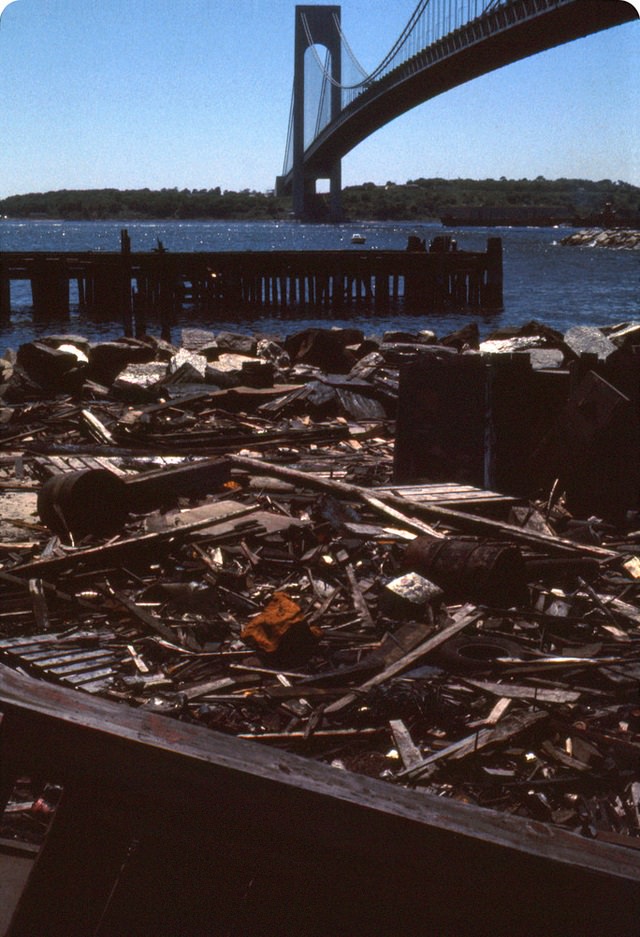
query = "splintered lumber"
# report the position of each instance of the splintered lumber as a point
(151, 622)
(359, 601)
(38, 598)
(407, 749)
(106, 552)
(465, 617)
(187, 795)
(513, 691)
(95, 427)
(24, 584)
(507, 729)
(294, 735)
(411, 523)
(455, 518)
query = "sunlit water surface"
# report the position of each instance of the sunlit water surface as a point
(544, 280)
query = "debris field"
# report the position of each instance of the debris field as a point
(226, 533)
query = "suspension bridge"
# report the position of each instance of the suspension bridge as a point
(444, 44)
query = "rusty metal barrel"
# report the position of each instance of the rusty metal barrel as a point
(470, 568)
(89, 501)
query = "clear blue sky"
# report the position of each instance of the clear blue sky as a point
(196, 94)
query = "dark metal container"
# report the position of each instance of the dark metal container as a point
(468, 568)
(89, 501)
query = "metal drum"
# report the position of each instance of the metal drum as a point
(90, 501)
(468, 568)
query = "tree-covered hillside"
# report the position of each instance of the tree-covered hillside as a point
(100, 204)
(578, 200)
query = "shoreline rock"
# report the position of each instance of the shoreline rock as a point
(621, 238)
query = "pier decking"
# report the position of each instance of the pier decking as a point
(155, 285)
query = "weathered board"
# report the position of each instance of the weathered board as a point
(168, 828)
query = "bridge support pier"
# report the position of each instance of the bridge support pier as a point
(5, 294)
(335, 192)
(315, 25)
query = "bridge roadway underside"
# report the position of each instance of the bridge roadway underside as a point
(417, 81)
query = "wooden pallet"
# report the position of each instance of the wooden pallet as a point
(449, 494)
(83, 661)
(49, 465)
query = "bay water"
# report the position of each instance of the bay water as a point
(556, 284)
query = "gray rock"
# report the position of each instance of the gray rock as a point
(143, 374)
(424, 337)
(502, 346)
(272, 351)
(236, 343)
(186, 373)
(197, 364)
(50, 367)
(108, 359)
(210, 351)
(542, 359)
(79, 341)
(410, 596)
(588, 340)
(194, 339)
(222, 379)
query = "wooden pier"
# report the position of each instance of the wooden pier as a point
(156, 285)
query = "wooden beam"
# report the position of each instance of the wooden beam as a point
(471, 523)
(216, 812)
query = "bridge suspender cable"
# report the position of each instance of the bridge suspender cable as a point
(323, 96)
(441, 18)
(360, 68)
(288, 150)
(401, 41)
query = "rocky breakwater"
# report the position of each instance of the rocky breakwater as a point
(597, 237)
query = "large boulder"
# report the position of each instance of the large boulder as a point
(325, 348)
(55, 370)
(108, 359)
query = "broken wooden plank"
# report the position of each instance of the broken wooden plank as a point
(468, 615)
(410, 754)
(455, 518)
(98, 750)
(110, 552)
(151, 622)
(95, 427)
(507, 729)
(514, 691)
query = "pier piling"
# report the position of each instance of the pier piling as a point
(49, 288)
(5, 292)
(137, 288)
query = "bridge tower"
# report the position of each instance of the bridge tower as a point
(323, 26)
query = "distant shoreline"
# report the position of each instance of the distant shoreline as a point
(489, 202)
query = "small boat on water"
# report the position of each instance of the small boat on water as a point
(358, 238)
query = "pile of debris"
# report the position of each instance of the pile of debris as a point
(159, 548)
